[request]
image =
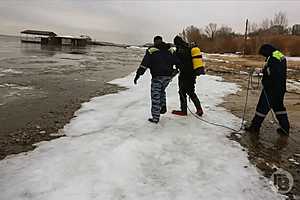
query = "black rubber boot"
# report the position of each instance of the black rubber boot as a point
(199, 111)
(255, 125)
(163, 110)
(252, 129)
(284, 125)
(283, 132)
(152, 120)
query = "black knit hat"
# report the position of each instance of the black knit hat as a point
(266, 50)
(157, 38)
(178, 41)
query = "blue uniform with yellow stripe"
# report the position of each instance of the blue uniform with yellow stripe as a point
(159, 60)
(274, 88)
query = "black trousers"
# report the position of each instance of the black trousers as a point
(187, 87)
(268, 101)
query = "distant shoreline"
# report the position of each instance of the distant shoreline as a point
(95, 42)
(16, 36)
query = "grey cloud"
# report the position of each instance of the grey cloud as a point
(134, 21)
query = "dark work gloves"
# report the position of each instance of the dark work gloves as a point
(140, 71)
(136, 78)
(175, 72)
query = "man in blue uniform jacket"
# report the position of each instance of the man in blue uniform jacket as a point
(160, 60)
(274, 88)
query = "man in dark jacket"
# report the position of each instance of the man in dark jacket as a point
(186, 79)
(160, 60)
(274, 88)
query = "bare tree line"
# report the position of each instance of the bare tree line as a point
(211, 31)
(214, 38)
(279, 24)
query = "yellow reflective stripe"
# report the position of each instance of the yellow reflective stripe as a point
(172, 50)
(278, 55)
(152, 50)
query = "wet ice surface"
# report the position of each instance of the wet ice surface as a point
(27, 64)
(112, 152)
(10, 92)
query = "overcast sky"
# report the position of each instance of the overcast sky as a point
(135, 22)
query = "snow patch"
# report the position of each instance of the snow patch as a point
(224, 55)
(293, 86)
(244, 73)
(137, 47)
(293, 58)
(214, 59)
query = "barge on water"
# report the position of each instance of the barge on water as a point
(34, 36)
(51, 38)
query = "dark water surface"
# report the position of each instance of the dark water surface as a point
(41, 87)
(21, 65)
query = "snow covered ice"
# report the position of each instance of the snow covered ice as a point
(112, 152)
(289, 58)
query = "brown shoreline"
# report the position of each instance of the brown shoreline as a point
(45, 123)
(269, 149)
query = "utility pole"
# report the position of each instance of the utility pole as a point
(246, 35)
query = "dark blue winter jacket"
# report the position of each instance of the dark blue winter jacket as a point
(183, 53)
(274, 72)
(160, 60)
